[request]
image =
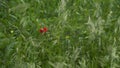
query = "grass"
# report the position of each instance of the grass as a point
(81, 34)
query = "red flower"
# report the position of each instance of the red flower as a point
(43, 30)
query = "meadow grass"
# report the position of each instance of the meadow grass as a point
(81, 34)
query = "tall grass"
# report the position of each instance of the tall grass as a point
(81, 34)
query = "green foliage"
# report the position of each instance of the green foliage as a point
(81, 34)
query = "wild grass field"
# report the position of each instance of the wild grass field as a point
(81, 34)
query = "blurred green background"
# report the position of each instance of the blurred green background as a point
(81, 34)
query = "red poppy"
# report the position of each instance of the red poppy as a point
(43, 30)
